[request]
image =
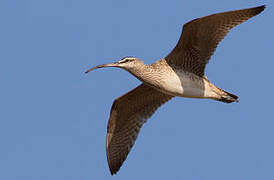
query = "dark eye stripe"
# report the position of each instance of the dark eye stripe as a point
(125, 60)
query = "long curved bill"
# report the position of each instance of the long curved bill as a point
(103, 65)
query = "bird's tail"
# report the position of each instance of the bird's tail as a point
(228, 97)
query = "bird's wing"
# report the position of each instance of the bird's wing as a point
(201, 36)
(128, 113)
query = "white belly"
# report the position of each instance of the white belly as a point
(176, 82)
(184, 85)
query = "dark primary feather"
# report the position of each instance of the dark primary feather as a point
(128, 113)
(201, 36)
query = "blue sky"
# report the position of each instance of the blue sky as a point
(53, 116)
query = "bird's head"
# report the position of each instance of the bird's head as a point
(126, 63)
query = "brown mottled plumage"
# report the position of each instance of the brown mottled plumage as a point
(201, 36)
(181, 73)
(128, 114)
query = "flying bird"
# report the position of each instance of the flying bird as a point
(180, 73)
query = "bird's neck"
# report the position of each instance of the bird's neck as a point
(146, 73)
(139, 71)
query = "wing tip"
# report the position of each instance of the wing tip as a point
(256, 10)
(114, 168)
(113, 171)
(259, 9)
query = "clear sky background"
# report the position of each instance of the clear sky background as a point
(53, 116)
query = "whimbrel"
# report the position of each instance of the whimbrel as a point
(181, 73)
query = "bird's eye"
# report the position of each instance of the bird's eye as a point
(124, 61)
